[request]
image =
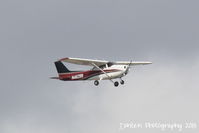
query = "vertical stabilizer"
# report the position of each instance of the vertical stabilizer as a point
(61, 68)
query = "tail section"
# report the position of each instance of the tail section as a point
(61, 68)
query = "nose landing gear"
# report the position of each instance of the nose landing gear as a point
(122, 82)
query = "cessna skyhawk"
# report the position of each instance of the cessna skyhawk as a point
(101, 70)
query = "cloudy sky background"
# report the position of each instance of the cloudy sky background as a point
(33, 34)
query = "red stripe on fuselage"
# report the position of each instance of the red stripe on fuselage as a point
(84, 74)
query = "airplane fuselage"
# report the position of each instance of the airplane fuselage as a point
(114, 71)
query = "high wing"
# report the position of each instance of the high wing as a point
(90, 62)
(132, 62)
(81, 61)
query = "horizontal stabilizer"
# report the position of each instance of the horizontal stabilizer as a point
(54, 77)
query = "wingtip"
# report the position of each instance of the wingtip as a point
(149, 62)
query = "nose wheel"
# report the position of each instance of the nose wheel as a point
(122, 82)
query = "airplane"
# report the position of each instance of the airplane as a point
(101, 70)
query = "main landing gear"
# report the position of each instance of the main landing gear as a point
(116, 83)
(96, 82)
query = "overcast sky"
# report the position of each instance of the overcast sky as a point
(34, 34)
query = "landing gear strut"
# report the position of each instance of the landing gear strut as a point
(96, 82)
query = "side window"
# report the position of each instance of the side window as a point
(102, 66)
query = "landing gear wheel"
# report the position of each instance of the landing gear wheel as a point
(122, 82)
(96, 82)
(116, 84)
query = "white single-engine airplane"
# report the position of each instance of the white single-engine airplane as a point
(101, 70)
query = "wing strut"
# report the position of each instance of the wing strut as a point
(103, 72)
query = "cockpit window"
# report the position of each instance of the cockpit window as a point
(109, 64)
